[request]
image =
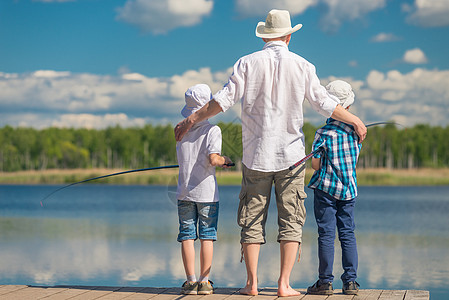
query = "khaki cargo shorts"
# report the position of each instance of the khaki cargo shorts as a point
(255, 199)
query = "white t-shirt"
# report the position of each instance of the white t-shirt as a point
(272, 85)
(197, 181)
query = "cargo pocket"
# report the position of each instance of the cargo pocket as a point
(301, 209)
(241, 213)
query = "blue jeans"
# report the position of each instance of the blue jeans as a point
(331, 213)
(197, 219)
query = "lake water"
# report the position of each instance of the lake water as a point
(97, 234)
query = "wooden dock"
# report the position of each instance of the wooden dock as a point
(23, 292)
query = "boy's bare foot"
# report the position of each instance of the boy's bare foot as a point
(249, 290)
(287, 291)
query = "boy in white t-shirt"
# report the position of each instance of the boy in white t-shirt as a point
(198, 154)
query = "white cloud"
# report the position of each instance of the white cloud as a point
(161, 16)
(50, 74)
(336, 11)
(339, 11)
(415, 56)
(93, 121)
(262, 7)
(83, 120)
(384, 37)
(421, 96)
(428, 13)
(46, 98)
(417, 97)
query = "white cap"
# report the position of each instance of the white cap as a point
(342, 90)
(196, 97)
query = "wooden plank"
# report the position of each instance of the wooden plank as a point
(173, 293)
(392, 295)
(266, 294)
(146, 293)
(96, 292)
(238, 296)
(24, 292)
(51, 291)
(30, 292)
(368, 295)
(271, 293)
(5, 289)
(69, 292)
(314, 297)
(416, 295)
(338, 295)
(121, 293)
(222, 293)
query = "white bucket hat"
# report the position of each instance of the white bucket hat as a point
(276, 25)
(196, 97)
(342, 90)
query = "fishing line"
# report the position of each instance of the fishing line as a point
(104, 176)
(115, 174)
(304, 159)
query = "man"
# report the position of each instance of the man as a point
(272, 85)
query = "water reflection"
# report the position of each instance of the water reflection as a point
(138, 247)
(61, 251)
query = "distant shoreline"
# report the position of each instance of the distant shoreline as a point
(365, 177)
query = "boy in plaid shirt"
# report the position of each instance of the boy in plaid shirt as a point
(335, 190)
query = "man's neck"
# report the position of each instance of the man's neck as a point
(285, 39)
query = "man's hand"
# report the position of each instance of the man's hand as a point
(209, 110)
(182, 128)
(360, 129)
(345, 116)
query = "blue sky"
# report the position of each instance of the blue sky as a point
(97, 63)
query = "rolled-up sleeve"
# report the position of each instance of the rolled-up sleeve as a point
(233, 90)
(318, 97)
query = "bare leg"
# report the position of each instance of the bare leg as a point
(251, 253)
(188, 256)
(206, 254)
(288, 257)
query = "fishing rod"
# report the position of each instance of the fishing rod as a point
(115, 174)
(308, 156)
(104, 176)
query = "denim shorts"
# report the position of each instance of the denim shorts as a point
(197, 219)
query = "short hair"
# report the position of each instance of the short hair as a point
(282, 38)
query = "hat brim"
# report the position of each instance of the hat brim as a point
(186, 111)
(262, 33)
(349, 100)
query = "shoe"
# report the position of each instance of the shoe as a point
(351, 288)
(189, 288)
(205, 288)
(321, 289)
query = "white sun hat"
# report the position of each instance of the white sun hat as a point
(196, 97)
(342, 90)
(276, 25)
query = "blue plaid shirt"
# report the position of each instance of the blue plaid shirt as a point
(341, 148)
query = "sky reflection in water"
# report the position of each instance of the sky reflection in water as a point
(126, 235)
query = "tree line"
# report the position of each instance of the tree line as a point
(154, 145)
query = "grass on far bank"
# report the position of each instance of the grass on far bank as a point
(371, 177)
